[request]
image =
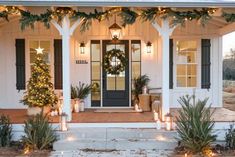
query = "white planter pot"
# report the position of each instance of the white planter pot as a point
(82, 105)
(77, 106)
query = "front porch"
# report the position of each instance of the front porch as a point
(18, 116)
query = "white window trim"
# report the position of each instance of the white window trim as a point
(27, 56)
(198, 59)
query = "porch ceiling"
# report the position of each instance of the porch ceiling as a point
(216, 20)
(125, 3)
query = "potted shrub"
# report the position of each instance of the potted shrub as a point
(83, 90)
(39, 95)
(74, 96)
(139, 83)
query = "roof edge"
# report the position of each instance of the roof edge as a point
(121, 3)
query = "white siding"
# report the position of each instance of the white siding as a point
(151, 63)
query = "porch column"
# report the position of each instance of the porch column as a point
(165, 32)
(66, 31)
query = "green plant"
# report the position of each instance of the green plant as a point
(194, 125)
(139, 83)
(230, 137)
(73, 92)
(40, 90)
(5, 131)
(38, 133)
(81, 91)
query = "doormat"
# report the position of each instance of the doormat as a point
(125, 110)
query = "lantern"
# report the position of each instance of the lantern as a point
(82, 48)
(63, 122)
(169, 121)
(149, 47)
(158, 124)
(115, 31)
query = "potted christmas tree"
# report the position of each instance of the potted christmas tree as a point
(39, 95)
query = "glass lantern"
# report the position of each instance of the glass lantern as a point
(63, 122)
(169, 121)
(82, 48)
(115, 31)
(149, 47)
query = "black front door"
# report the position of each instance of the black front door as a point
(116, 87)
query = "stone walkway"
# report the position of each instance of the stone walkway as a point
(126, 153)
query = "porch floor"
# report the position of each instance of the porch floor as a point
(18, 116)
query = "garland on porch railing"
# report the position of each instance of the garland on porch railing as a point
(127, 15)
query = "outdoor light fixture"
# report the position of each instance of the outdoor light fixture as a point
(169, 121)
(82, 48)
(63, 122)
(115, 31)
(149, 47)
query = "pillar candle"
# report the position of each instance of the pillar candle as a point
(155, 115)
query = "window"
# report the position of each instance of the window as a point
(95, 73)
(45, 45)
(135, 61)
(186, 63)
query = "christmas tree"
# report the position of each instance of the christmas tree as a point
(40, 90)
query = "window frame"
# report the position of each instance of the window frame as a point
(131, 62)
(197, 63)
(27, 55)
(96, 103)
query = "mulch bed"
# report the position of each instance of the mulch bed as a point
(15, 152)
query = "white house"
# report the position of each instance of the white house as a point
(182, 60)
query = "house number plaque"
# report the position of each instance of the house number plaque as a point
(81, 62)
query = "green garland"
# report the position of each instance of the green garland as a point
(229, 17)
(128, 16)
(117, 69)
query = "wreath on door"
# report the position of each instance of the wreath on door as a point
(111, 58)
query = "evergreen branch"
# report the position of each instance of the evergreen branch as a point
(128, 16)
(229, 17)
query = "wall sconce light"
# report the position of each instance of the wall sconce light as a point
(82, 48)
(149, 47)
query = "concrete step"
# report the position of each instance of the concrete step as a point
(115, 139)
(115, 133)
(65, 145)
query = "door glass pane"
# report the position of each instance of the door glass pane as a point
(135, 69)
(95, 70)
(111, 82)
(95, 49)
(95, 91)
(135, 52)
(120, 82)
(115, 82)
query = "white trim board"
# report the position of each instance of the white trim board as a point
(124, 3)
